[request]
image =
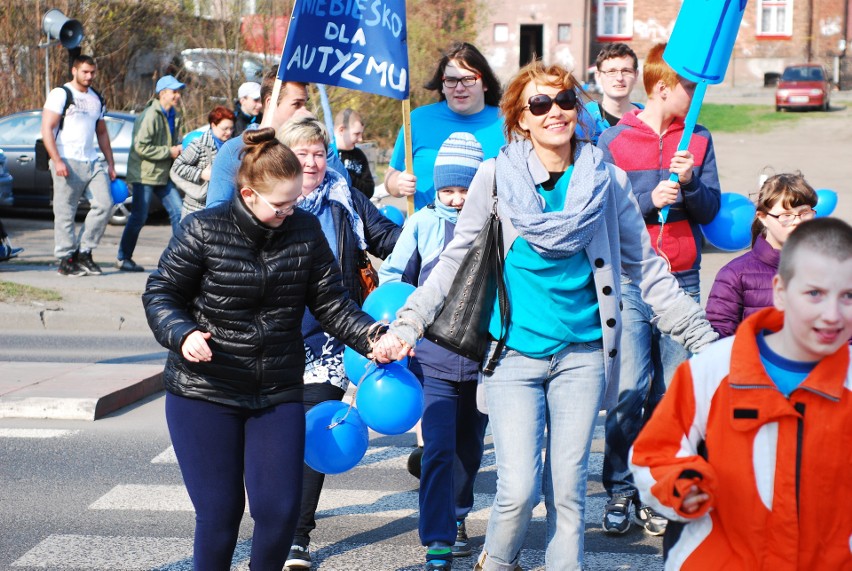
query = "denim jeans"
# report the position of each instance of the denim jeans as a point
(561, 394)
(142, 194)
(453, 430)
(89, 177)
(648, 362)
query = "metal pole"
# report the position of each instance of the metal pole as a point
(47, 69)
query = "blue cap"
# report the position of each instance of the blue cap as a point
(168, 82)
(457, 161)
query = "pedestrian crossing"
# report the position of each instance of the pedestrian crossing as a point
(349, 511)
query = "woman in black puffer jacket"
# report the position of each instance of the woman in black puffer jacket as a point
(227, 300)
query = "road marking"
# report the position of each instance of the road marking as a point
(35, 433)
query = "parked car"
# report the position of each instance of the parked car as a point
(803, 86)
(200, 65)
(33, 188)
(6, 196)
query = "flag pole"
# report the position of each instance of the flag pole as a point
(409, 157)
(276, 87)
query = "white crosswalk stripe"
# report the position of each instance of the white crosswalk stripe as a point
(35, 433)
(351, 508)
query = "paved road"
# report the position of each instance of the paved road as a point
(108, 495)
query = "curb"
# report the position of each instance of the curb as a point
(73, 391)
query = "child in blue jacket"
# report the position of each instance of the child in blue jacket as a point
(453, 428)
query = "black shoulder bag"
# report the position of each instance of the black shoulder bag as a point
(461, 325)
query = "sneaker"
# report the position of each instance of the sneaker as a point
(654, 523)
(69, 267)
(439, 556)
(616, 519)
(85, 261)
(129, 265)
(461, 548)
(415, 460)
(298, 558)
(7, 252)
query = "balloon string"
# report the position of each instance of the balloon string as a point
(342, 419)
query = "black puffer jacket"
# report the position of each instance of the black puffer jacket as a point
(248, 285)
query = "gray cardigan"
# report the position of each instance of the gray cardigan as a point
(622, 244)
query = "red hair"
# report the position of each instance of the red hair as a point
(218, 114)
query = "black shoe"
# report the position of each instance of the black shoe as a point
(415, 459)
(129, 265)
(461, 548)
(69, 267)
(298, 558)
(85, 261)
(616, 519)
(439, 557)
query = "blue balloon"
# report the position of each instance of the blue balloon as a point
(393, 214)
(731, 229)
(384, 301)
(390, 399)
(339, 448)
(120, 192)
(191, 136)
(356, 365)
(826, 202)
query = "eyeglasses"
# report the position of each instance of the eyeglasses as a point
(787, 218)
(467, 81)
(626, 72)
(279, 212)
(541, 103)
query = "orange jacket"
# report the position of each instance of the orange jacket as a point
(778, 470)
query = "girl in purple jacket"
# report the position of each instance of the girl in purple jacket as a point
(744, 285)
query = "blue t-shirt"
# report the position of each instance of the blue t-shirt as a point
(553, 301)
(430, 127)
(226, 165)
(786, 374)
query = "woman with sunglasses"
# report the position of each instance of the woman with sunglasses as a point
(353, 227)
(469, 94)
(227, 300)
(570, 225)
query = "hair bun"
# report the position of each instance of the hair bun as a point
(258, 136)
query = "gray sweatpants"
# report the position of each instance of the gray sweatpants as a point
(82, 176)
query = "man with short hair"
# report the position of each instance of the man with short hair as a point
(616, 73)
(348, 132)
(292, 101)
(68, 130)
(248, 109)
(157, 133)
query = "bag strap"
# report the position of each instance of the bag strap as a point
(502, 293)
(69, 101)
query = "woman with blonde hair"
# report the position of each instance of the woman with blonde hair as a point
(570, 225)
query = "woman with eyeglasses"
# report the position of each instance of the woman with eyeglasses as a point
(744, 285)
(468, 99)
(191, 169)
(353, 227)
(570, 225)
(227, 300)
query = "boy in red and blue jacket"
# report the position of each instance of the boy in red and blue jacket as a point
(644, 144)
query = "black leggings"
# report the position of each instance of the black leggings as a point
(225, 452)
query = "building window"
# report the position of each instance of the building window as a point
(501, 33)
(563, 33)
(775, 18)
(615, 19)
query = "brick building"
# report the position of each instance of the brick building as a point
(774, 34)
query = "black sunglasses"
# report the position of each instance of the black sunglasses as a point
(541, 103)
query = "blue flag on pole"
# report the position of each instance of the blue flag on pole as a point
(357, 44)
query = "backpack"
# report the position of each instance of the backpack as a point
(42, 159)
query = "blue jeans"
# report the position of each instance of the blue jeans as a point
(453, 430)
(225, 452)
(525, 396)
(142, 194)
(648, 362)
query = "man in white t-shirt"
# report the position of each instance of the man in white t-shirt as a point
(69, 130)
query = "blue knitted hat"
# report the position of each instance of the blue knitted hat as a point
(457, 161)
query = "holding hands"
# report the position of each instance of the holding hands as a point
(389, 348)
(195, 348)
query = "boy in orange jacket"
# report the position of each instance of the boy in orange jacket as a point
(749, 451)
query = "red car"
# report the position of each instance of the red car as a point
(803, 86)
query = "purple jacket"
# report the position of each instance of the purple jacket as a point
(742, 287)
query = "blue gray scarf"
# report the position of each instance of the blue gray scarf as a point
(445, 212)
(553, 234)
(334, 188)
